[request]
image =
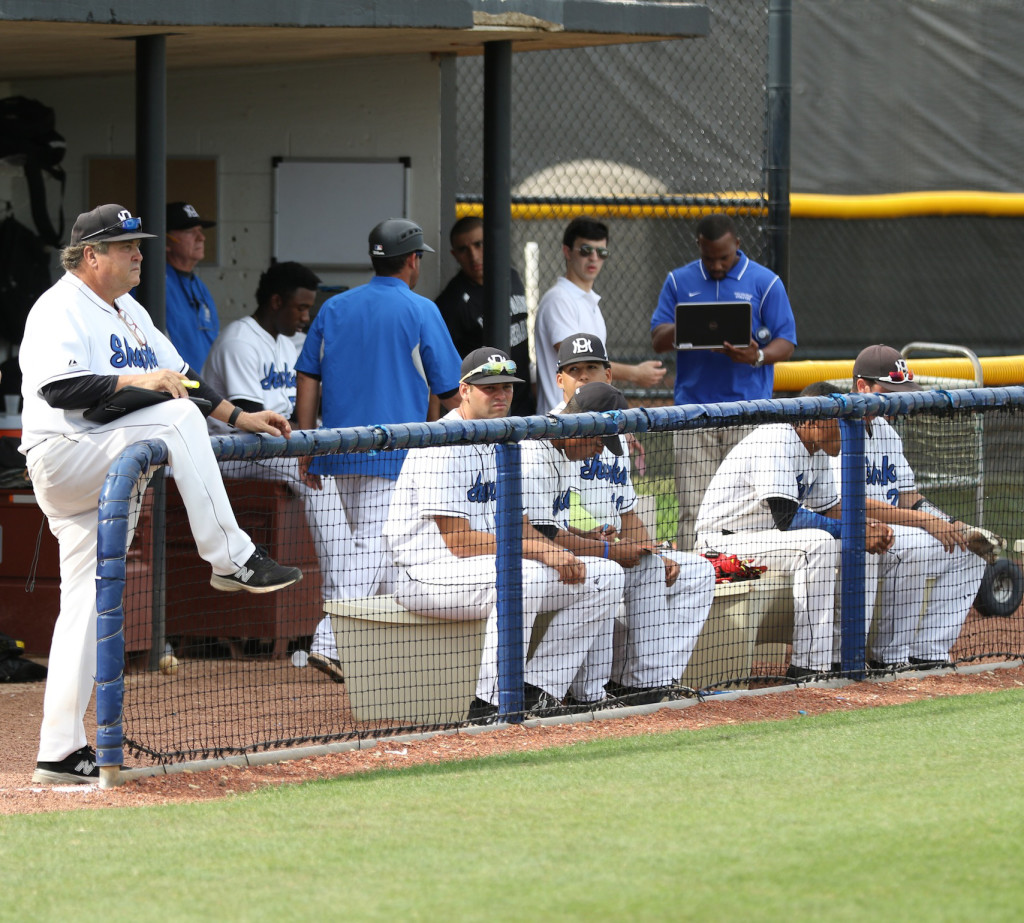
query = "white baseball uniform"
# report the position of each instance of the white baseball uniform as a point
(246, 363)
(660, 624)
(72, 332)
(903, 629)
(460, 481)
(735, 518)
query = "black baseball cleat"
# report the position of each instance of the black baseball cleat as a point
(887, 666)
(804, 674)
(79, 767)
(642, 695)
(481, 712)
(540, 703)
(261, 574)
(326, 665)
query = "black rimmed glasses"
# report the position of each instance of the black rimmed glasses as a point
(125, 224)
(590, 249)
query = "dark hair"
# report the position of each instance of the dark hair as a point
(819, 389)
(716, 226)
(389, 265)
(283, 279)
(586, 227)
(467, 223)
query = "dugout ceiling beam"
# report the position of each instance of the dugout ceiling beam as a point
(58, 38)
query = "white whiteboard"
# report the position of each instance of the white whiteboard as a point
(324, 209)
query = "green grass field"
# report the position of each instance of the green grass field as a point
(903, 813)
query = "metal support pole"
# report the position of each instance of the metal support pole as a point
(151, 196)
(852, 570)
(509, 584)
(497, 193)
(780, 84)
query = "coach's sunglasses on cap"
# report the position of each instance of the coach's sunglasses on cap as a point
(588, 249)
(125, 224)
(504, 367)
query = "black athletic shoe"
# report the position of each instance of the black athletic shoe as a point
(886, 666)
(327, 665)
(922, 663)
(261, 574)
(481, 712)
(79, 766)
(800, 674)
(541, 704)
(640, 695)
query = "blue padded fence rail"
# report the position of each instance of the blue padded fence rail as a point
(136, 461)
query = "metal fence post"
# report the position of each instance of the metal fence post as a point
(509, 531)
(853, 555)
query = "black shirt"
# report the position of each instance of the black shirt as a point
(462, 306)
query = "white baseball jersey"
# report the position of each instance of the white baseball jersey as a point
(770, 462)
(88, 338)
(456, 480)
(604, 483)
(887, 471)
(247, 363)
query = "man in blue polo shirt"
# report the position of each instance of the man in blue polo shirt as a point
(375, 353)
(737, 371)
(192, 322)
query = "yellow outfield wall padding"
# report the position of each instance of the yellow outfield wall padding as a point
(801, 205)
(998, 371)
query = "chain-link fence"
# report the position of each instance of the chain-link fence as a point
(887, 96)
(666, 125)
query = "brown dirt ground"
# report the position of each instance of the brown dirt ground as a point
(21, 706)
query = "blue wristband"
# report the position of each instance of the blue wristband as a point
(805, 519)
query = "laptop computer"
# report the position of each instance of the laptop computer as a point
(709, 324)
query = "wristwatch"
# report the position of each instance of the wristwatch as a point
(760, 358)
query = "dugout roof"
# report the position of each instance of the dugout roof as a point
(55, 38)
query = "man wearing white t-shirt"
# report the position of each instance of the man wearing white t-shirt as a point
(571, 305)
(441, 533)
(253, 363)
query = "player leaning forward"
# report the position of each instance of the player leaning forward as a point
(441, 531)
(667, 595)
(85, 338)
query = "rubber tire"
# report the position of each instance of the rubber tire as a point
(1001, 590)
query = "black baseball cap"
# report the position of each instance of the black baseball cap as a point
(599, 397)
(107, 223)
(488, 366)
(582, 347)
(886, 366)
(181, 216)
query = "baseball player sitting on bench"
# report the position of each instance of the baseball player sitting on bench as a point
(773, 500)
(252, 363)
(668, 594)
(85, 338)
(441, 532)
(928, 543)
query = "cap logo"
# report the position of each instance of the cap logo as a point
(123, 214)
(378, 250)
(901, 367)
(582, 345)
(497, 357)
(190, 211)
